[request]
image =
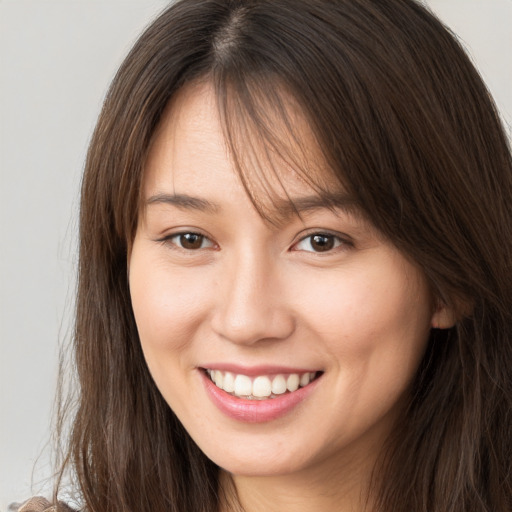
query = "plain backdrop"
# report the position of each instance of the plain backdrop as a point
(56, 61)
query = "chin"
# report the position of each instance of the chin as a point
(255, 461)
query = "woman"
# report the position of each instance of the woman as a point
(295, 283)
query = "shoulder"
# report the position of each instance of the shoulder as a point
(39, 504)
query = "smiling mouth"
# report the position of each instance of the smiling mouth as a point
(261, 387)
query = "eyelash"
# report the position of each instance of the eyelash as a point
(169, 240)
(334, 242)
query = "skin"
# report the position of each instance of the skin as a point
(255, 293)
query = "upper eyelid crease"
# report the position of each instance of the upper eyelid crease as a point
(167, 238)
(344, 239)
(180, 233)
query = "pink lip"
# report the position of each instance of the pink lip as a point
(256, 411)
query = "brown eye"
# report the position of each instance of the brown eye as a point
(321, 243)
(191, 240)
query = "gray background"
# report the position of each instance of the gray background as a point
(56, 61)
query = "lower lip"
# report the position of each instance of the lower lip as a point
(256, 411)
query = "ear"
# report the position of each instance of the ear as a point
(443, 317)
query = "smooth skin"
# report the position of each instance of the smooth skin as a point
(212, 282)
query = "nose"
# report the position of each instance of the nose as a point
(250, 305)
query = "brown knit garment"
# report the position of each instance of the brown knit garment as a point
(39, 504)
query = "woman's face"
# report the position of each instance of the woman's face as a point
(312, 327)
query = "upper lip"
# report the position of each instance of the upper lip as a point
(253, 371)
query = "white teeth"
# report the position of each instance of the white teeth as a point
(278, 385)
(218, 378)
(243, 385)
(304, 379)
(260, 387)
(229, 382)
(292, 382)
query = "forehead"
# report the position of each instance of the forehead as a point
(274, 158)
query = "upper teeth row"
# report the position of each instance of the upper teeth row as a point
(261, 386)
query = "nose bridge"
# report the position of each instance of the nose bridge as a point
(250, 306)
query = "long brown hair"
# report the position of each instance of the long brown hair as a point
(405, 123)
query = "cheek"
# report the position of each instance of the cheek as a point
(374, 323)
(363, 306)
(168, 305)
(375, 327)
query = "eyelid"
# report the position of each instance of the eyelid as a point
(167, 239)
(344, 241)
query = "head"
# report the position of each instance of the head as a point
(307, 97)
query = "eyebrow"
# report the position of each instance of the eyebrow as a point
(298, 205)
(285, 208)
(185, 202)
